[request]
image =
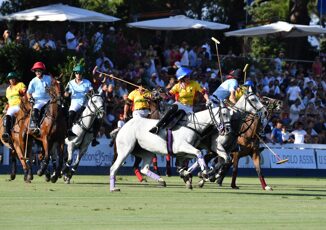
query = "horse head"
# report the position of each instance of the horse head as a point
(250, 103)
(96, 105)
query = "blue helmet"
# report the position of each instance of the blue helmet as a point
(182, 72)
(249, 83)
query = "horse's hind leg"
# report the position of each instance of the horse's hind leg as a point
(147, 158)
(46, 159)
(13, 164)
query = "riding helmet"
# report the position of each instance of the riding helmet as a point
(249, 83)
(38, 65)
(12, 75)
(182, 72)
(79, 68)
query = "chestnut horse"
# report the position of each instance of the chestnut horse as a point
(250, 145)
(17, 137)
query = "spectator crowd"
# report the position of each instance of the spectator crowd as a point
(300, 86)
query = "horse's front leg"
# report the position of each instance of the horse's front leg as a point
(67, 164)
(19, 150)
(46, 159)
(82, 150)
(256, 159)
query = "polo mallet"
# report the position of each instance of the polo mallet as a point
(29, 123)
(119, 79)
(245, 72)
(217, 42)
(280, 160)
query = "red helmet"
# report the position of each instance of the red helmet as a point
(38, 65)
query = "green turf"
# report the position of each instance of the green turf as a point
(295, 203)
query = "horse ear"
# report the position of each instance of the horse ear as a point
(222, 104)
(250, 89)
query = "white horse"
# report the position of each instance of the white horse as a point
(84, 134)
(134, 137)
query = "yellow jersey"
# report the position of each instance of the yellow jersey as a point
(139, 99)
(13, 93)
(186, 95)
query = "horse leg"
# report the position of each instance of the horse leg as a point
(256, 159)
(82, 150)
(13, 164)
(123, 148)
(67, 164)
(155, 167)
(168, 165)
(235, 170)
(57, 167)
(136, 169)
(45, 161)
(147, 158)
(19, 151)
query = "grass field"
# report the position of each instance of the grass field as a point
(295, 203)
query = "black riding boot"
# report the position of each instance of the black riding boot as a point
(96, 129)
(34, 124)
(176, 118)
(164, 120)
(7, 125)
(71, 120)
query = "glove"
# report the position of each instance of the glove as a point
(31, 100)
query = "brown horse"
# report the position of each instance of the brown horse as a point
(15, 143)
(53, 130)
(250, 144)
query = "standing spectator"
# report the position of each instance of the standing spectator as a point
(71, 40)
(317, 67)
(276, 135)
(293, 92)
(193, 57)
(104, 63)
(279, 62)
(97, 39)
(299, 134)
(184, 61)
(7, 37)
(285, 135)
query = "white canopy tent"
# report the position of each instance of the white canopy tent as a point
(60, 12)
(179, 22)
(278, 29)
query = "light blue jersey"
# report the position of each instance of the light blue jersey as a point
(37, 87)
(79, 91)
(225, 89)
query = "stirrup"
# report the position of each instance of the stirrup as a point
(154, 130)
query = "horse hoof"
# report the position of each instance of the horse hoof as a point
(29, 177)
(162, 183)
(235, 187)
(54, 178)
(12, 176)
(65, 178)
(188, 185)
(267, 188)
(201, 183)
(47, 176)
(115, 190)
(28, 181)
(40, 172)
(67, 181)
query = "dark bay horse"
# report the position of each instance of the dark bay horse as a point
(53, 130)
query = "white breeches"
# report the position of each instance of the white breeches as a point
(74, 106)
(140, 113)
(40, 103)
(12, 110)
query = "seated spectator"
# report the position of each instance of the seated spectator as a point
(71, 39)
(104, 63)
(285, 135)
